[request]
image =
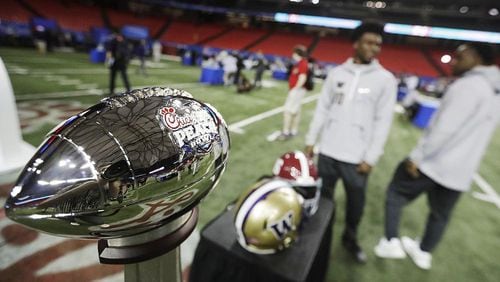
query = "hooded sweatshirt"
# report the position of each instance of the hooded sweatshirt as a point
(451, 149)
(354, 112)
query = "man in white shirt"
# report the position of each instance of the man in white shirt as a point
(444, 161)
(353, 117)
(229, 66)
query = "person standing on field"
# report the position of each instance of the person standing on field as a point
(296, 83)
(446, 157)
(353, 117)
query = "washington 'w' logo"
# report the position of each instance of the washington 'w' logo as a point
(282, 226)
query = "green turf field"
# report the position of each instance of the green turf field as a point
(470, 250)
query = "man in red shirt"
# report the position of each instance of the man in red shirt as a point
(296, 82)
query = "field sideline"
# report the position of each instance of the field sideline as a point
(470, 250)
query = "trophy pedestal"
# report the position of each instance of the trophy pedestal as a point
(153, 255)
(165, 268)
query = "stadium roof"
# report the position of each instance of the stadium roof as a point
(478, 14)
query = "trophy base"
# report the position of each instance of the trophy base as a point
(151, 244)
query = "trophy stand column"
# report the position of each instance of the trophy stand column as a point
(153, 255)
(165, 268)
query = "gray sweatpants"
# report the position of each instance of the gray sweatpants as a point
(403, 189)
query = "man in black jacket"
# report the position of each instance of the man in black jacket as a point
(117, 57)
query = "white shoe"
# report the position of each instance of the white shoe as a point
(391, 249)
(421, 258)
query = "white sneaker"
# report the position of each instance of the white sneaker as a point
(421, 258)
(391, 249)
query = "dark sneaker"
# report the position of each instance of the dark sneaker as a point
(354, 249)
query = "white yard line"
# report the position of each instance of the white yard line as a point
(71, 71)
(87, 86)
(237, 127)
(71, 261)
(42, 60)
(52, 95)
(17, 69)
(488, 193)
(52, 77)
(273, 136)
(12, 253)
(58, 76)
(155, 67)
(97, 92)
(65, 81)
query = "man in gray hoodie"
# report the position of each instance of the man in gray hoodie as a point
(444, 161)
(353, 116)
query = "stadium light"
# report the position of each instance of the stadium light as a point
(395, 28)
(493, 12)
(380, 5)
(318, 21)
(445, 59)
(463, 9)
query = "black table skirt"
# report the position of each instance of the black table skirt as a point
(220, 258)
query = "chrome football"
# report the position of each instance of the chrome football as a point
(124, 166)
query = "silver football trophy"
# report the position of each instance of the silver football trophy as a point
(128, 171)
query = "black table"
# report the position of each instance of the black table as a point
(219, 257)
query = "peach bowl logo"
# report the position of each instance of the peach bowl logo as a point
(172, 120)
(192, 127)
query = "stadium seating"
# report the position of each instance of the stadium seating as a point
(396, 58)
(332, 50)
(281, 43)
(236, 39)
(77, 17)
(119, 19)
(71, 15)
(13, 11)
(188, 33)
(406, 59)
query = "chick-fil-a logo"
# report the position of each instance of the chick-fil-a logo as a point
(172, 120)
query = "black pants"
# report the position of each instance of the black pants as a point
(123, 72)
(331, 170)
(403, 189)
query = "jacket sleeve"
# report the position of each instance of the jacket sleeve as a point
(459, 103)
(382, 124)
(321, 113)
